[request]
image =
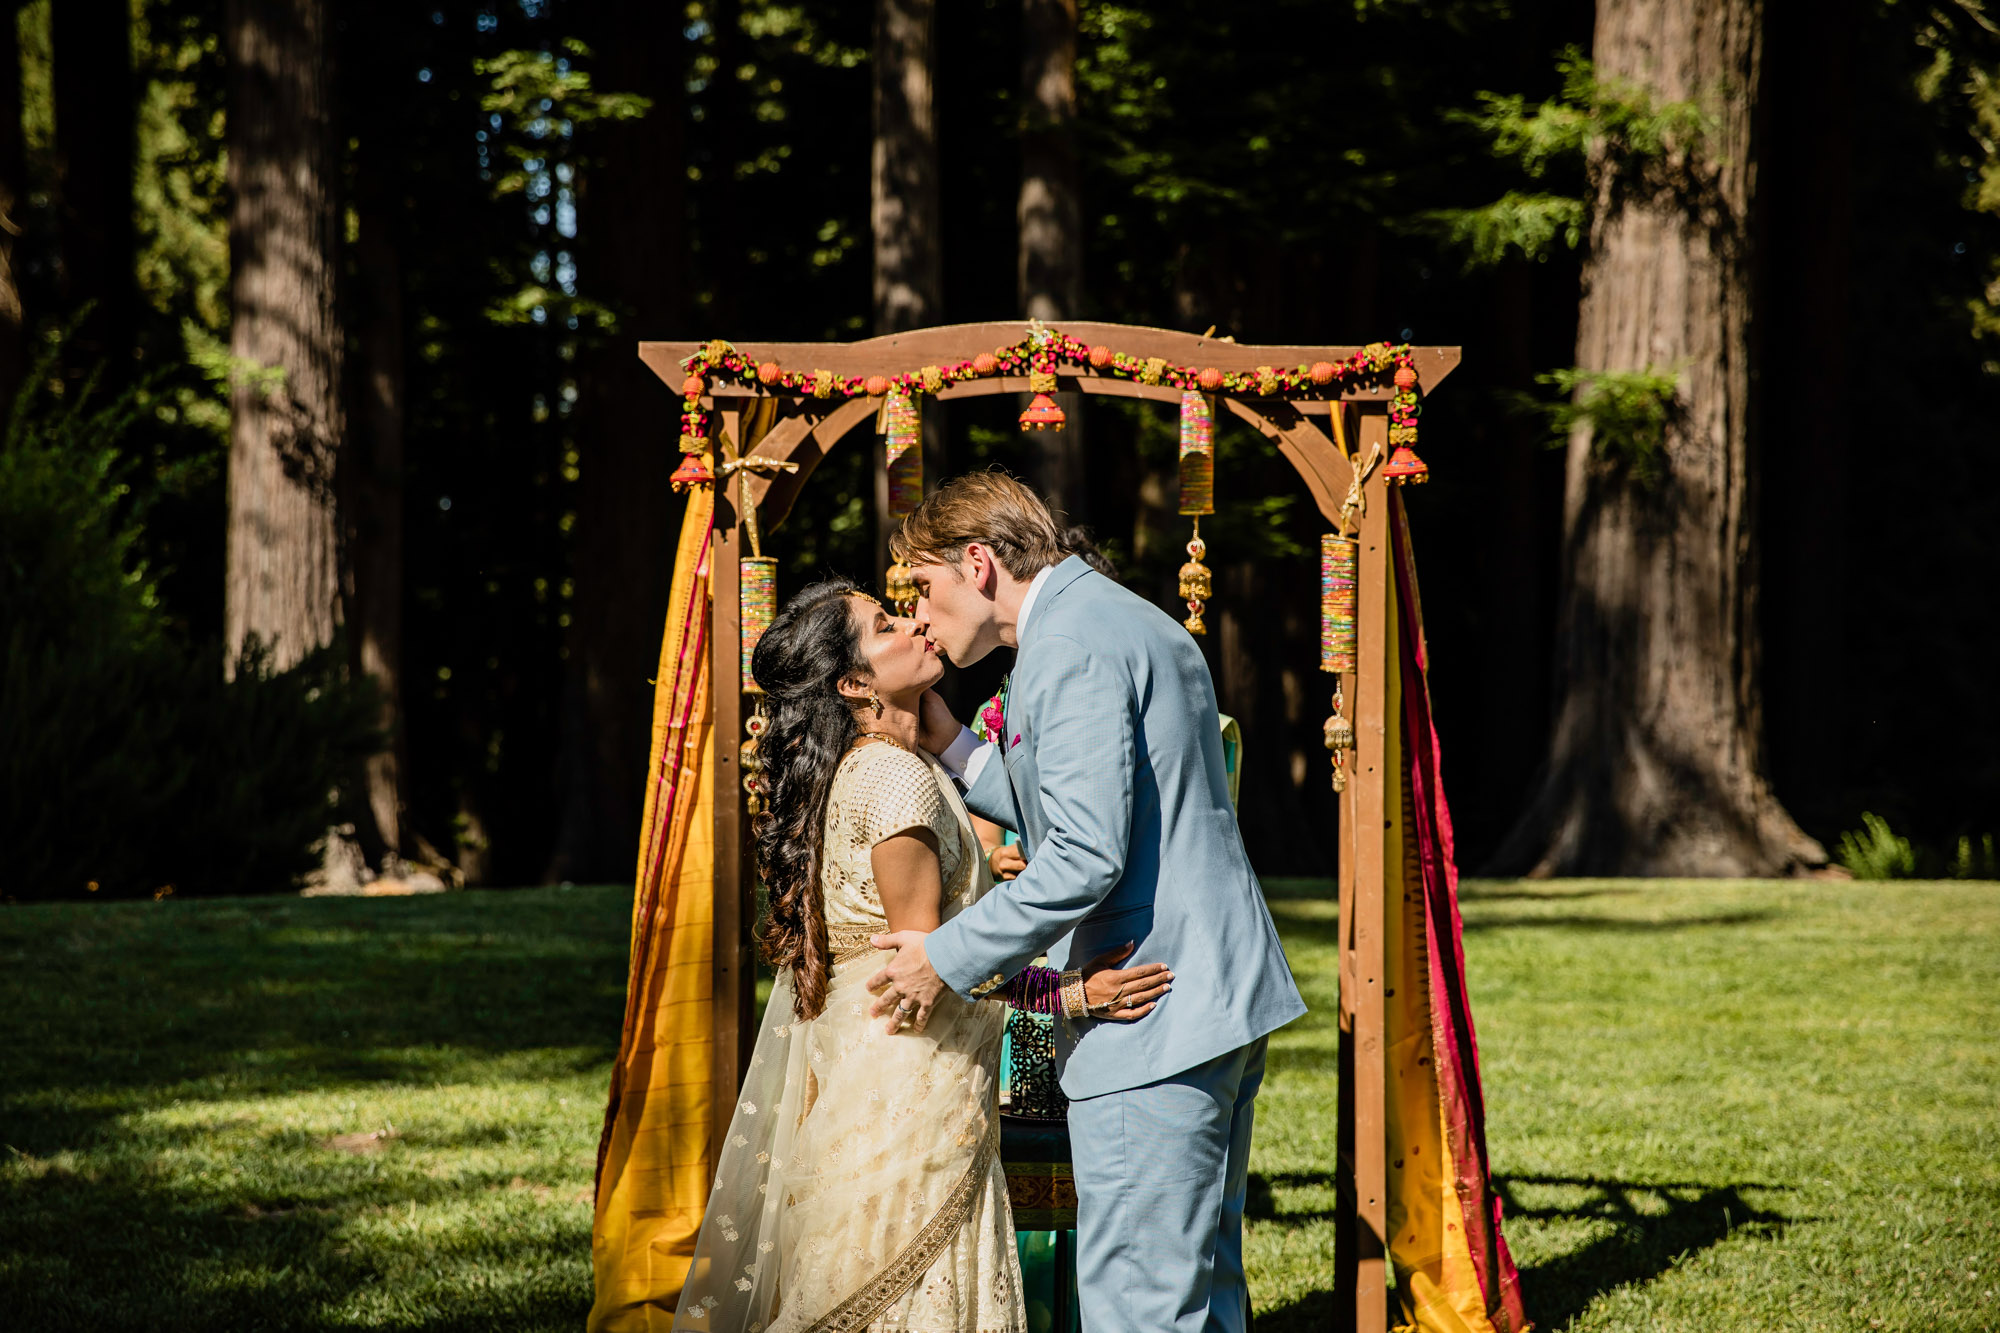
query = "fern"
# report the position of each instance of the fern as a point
(1875, 851)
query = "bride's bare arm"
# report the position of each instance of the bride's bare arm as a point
(909, 879)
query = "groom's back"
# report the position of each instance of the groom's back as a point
(1187, 894)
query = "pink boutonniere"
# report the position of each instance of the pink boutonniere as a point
(992, 718)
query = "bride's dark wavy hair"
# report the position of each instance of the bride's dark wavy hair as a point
(800, 661)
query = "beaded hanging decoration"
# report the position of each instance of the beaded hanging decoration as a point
(1339, 638)
(1197, 498)
(757, 603)
(1404, 467)
(903, 450)
(903, 455)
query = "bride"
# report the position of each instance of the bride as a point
(859, 1185)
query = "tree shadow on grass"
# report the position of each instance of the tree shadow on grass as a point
(1614, 925)
(1324, 931)
(116, 1249)
(1652, 1227)
(134, 1004)
(112, 1217)
(1261, 1203)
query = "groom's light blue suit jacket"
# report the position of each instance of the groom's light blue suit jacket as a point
(1111, 771)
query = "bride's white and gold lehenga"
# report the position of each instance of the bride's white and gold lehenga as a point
(860, 1184)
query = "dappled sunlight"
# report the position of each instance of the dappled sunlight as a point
(1771, 1109)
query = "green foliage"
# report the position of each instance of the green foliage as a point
(1875, 851)
(1594, 131)
(181, 194)
(1626, 411)
(131, 764)
(1528, 225)
(541, 96)
(1617, 116)
(1961, 80)
(1975, 859)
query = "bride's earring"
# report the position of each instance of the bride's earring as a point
(875, 702)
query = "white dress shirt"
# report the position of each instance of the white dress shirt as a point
(966, 758)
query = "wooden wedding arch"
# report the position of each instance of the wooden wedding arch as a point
(798, 430)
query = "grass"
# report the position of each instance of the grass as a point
(1712, 1106)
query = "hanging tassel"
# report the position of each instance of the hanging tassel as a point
(1197, 498)
(903, 453)
(756, 604)
(1404, 467)
(1196, 583)
(1339, 638)
(903, 450)
(1339, 644)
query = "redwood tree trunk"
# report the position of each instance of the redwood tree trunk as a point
(904, 213)
(283, 582)
(372, 493)
(95, 137)
(13, 203)
(634, 220)
(1050, 220)
(1656, 764)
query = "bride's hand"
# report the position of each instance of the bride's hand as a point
(1123, 994)
(936, 727)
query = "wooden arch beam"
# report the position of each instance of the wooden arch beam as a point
(895, 353)
(807, 437)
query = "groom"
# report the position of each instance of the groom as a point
(1110, 767)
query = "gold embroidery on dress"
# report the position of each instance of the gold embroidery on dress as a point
(908, 1268)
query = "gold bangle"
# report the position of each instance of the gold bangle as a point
(1074, 1005)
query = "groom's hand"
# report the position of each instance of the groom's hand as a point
(909, 979)
(936, 727)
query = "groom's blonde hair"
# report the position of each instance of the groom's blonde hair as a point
(990, 508)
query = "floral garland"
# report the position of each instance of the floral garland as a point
(1037, 355)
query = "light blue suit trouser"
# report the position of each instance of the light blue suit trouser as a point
(1161, 1176)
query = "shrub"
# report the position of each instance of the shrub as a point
(128, 764)
(1874, 851)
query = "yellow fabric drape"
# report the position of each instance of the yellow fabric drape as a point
(1437, 1290)
(653, 1163)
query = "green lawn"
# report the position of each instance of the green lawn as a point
(1713, 1106)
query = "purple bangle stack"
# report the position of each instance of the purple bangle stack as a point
(1038, 990)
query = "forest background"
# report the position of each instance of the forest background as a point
(424, 332)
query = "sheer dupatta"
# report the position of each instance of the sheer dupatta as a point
(854, 1156)
(732, 1284)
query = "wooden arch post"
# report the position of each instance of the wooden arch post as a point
(807, 428)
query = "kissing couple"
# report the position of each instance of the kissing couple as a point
(859, 1185)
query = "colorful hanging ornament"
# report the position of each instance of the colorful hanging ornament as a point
(1339, 638)
(1339, 643)
(1404, 468)
(1339, 739)
(1197, 498)
(1196, 583)
(1043, 414)
(756, 604)
(750, 758)
(903, 455)
(899, 587)
(903, 450)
